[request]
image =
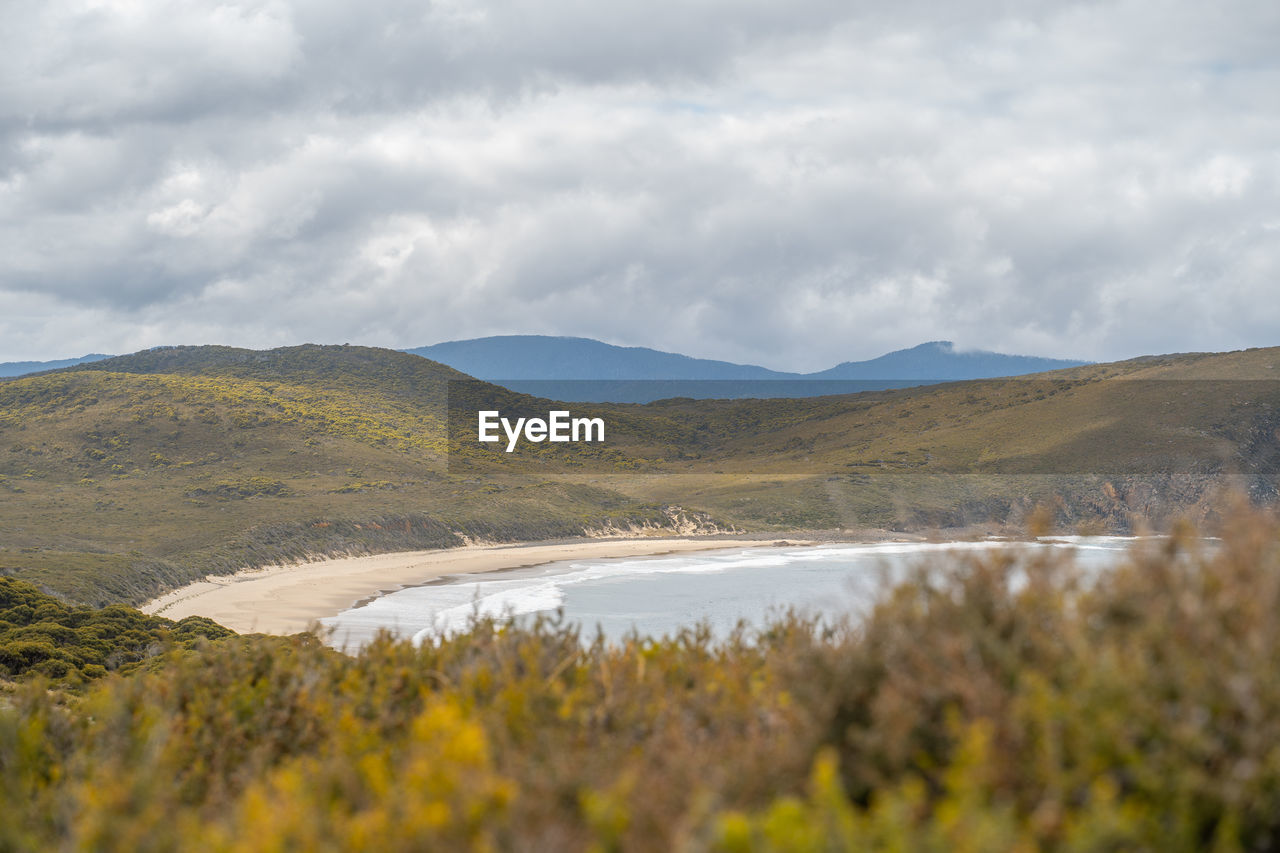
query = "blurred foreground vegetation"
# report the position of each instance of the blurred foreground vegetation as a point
(986, 704)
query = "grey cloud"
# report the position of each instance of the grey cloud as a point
(69, 66)
(790, 185)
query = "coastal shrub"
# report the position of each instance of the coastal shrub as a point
(71, 645)
(989, 702)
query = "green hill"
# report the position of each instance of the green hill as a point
(144, 472)
(128, 476)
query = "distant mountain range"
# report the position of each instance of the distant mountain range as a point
(544, 357)
(582, 369)
(21, 368)
(586, 370)
(940, 361)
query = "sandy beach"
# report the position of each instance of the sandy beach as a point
(288, 599)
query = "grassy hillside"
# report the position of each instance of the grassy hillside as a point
(133, 475)
(985, 705)
(124, 477)
(1145, 439)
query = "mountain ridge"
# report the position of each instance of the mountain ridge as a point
(559, 359)
(509, 357)
(587, 370)
(565, 357)
(22, 368)
(941, 361)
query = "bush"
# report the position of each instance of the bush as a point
(986, 704)
(72, 645)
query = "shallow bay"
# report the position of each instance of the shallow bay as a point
(660, 595)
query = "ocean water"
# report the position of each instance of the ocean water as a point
(658, 596)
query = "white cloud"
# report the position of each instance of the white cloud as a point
(790, 185)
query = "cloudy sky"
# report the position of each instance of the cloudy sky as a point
(792, 184)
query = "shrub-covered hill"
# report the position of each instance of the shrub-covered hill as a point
(122, 478)
(143, 472)
(40, 634)
(1113, 445)
(354, 370)
(985, 705)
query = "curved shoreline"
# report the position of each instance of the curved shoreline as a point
(289, 599)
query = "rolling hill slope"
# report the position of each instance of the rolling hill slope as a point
(124, 477)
